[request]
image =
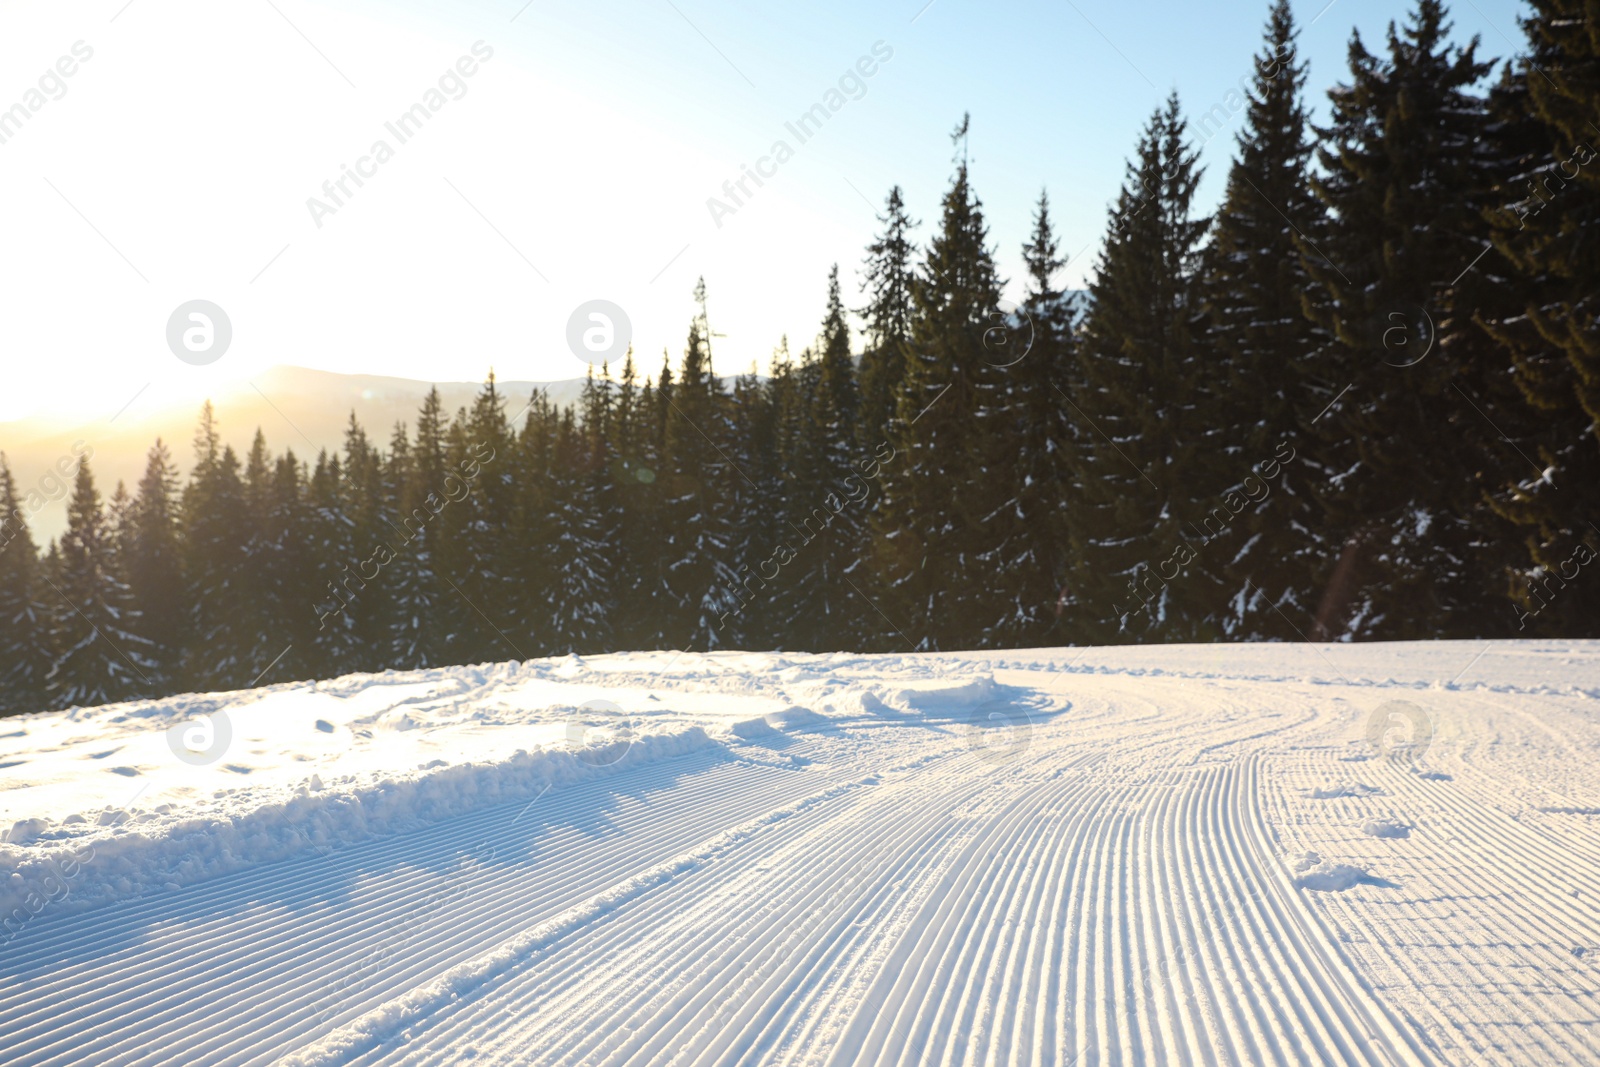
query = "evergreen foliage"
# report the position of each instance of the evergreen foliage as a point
(1361, 401)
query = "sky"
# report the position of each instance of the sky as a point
(569, 155)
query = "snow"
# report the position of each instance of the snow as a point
(1139, 854)
(1311, 871)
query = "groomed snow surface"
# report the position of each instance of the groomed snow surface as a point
(1380, 854)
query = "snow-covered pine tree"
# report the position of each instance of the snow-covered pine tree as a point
(1405, 174)
(1266, 351)
(887, 277)
(259, 571)
(223, 620)
(1546, 109)
(1146, 464)
(327, 537)
(638, 586)
(404, 573)
(697, 525)
(652, 609)
(154, 560)
(26, 614)
(758, 507)
(487, 531)
(1029, 562)
(373, 539)
(536, 624)
(100, 656)
(940, 485)
(825, 504)
(586, 517)
(431, 616)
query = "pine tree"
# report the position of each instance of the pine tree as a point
(430, 615)
(297, 592)
(155, 568)
(336, 642)
(580, 596)
(824, 513)
(758, 511)
(26, 655)
(637, 584)
(1146, 411)
(1545, 111)
(372, 544)
(483, 442)
(100, 658)
(933, 524)
(224, 623)
(1031, 433)
(696, 519)
(653, 609)
(1267, 353)
(1405, 180)
(887, 279)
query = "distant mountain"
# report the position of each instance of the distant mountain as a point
(297, 408)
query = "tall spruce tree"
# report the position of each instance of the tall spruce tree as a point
(1148, 434)
(297, 592)
(584, 510)
(224, 620)
(824, 516)
(154, 559)
(887, 279)
(485, 444)
(697, 521)
(1406, 176)
(639, 586)
(537, 560)
(432, 614)
(1032, 433)
(100, 657)
(26, 615)
(1266, 352)
(336, 643)
(939, 488)
(1546, 110)
(756, 623)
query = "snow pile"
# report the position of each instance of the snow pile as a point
(947, 700)
(778, 722)
(1325, 876)
(1356, 789)
(1385, 828)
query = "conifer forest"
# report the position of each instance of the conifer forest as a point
(1360, 401)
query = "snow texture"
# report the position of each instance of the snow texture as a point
(1167, 854)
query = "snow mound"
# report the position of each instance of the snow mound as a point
(1355, 789)
(793, 718)
(1385, 828)
(788, 719)
(1315, 873)
(951, 699)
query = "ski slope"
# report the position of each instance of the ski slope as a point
(1379, 854)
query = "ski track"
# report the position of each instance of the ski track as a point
(1121, 890)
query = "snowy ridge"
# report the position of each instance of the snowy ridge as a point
(176, 849)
